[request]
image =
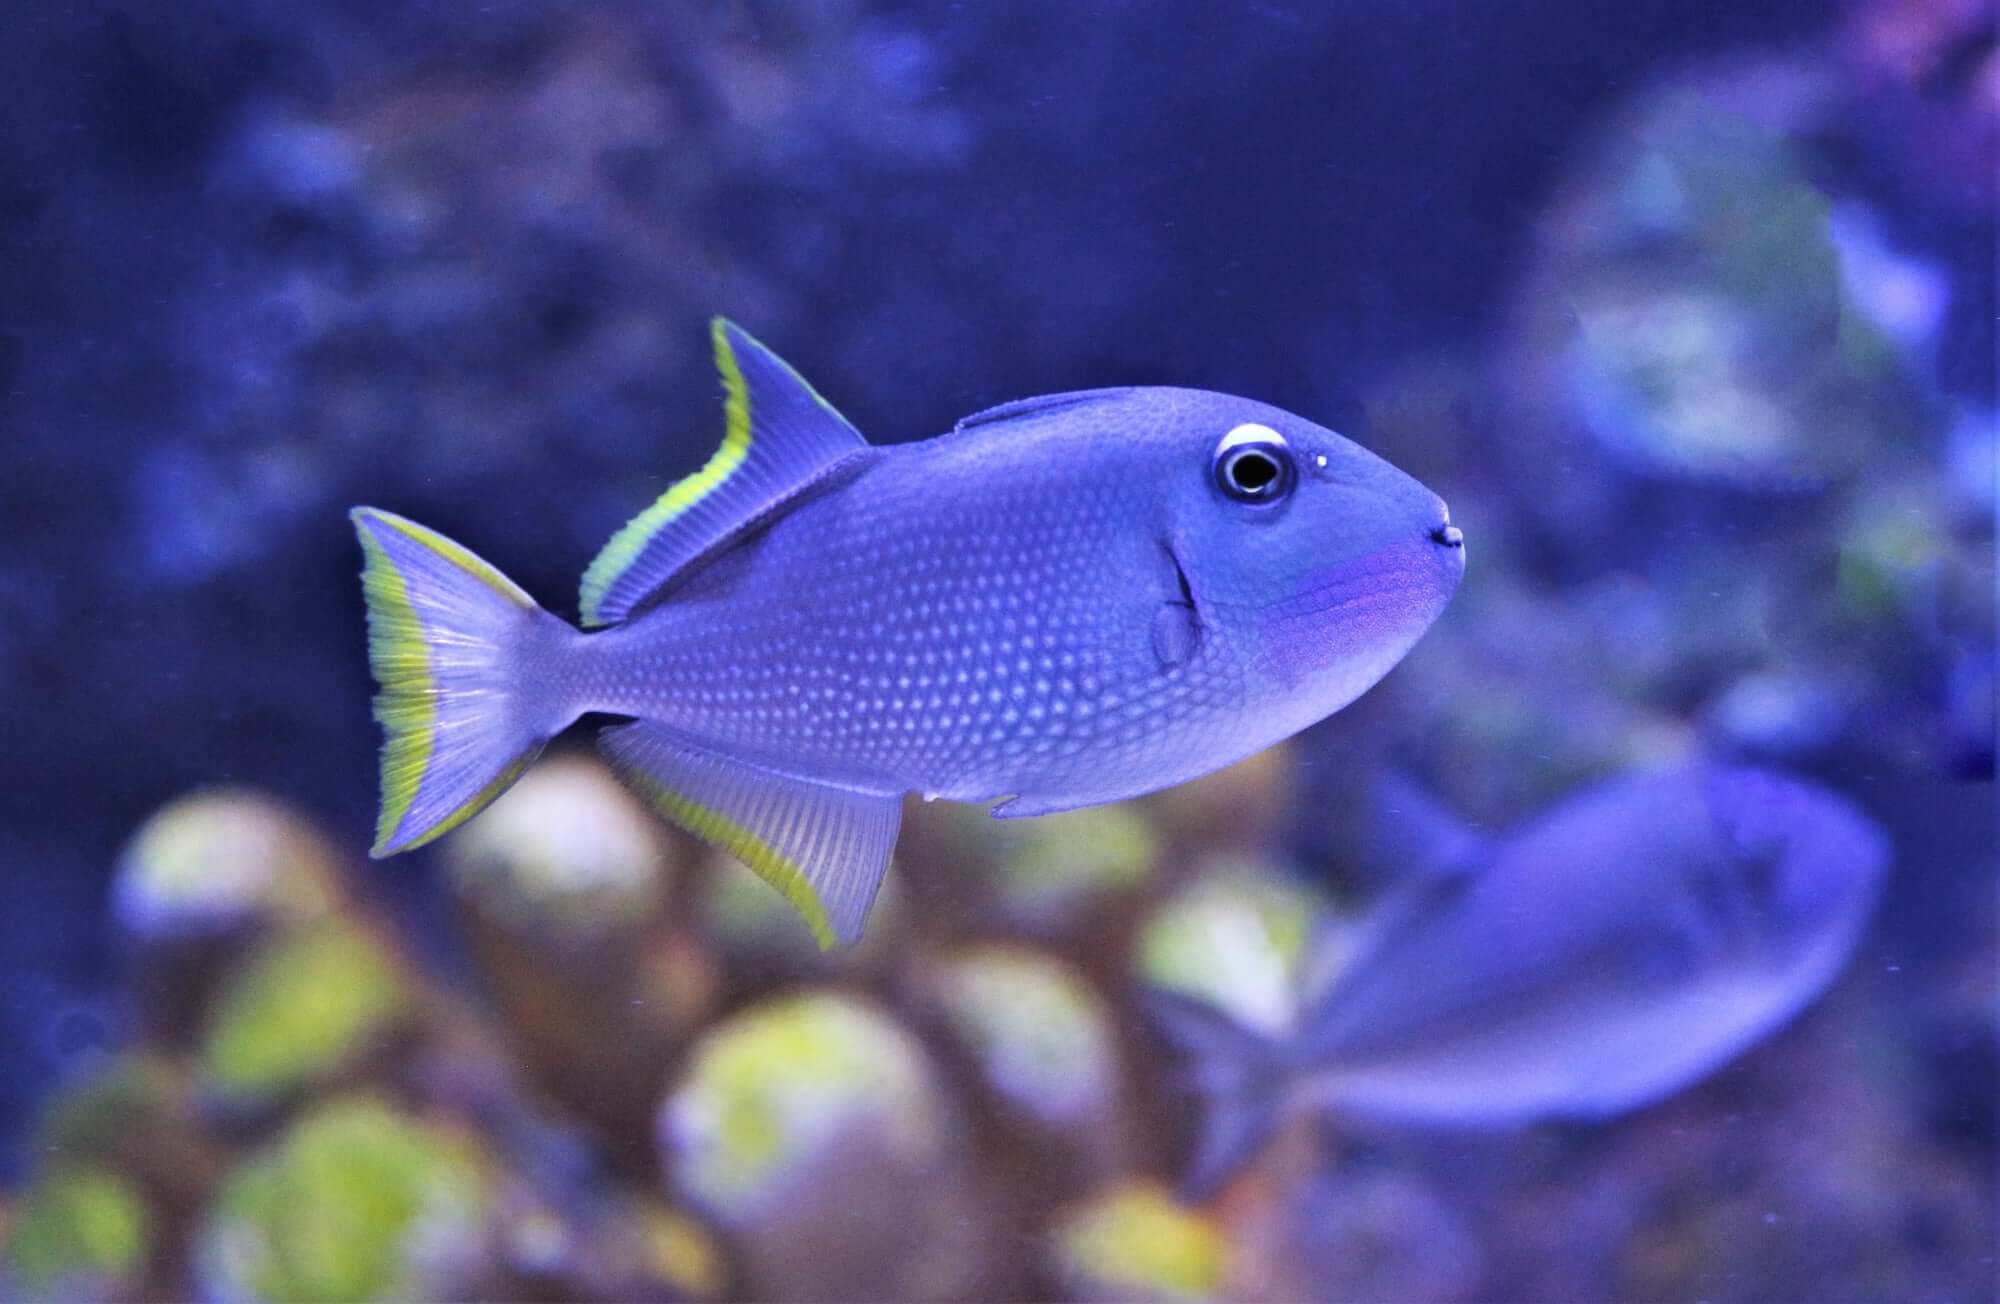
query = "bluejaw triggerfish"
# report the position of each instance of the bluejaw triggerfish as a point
(1066, 600)
(1614, 949)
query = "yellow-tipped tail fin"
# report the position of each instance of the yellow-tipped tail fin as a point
(452, 643)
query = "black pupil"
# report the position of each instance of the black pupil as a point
(1253, 472)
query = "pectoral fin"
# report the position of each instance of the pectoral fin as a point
(1176, 634)
(825, 848)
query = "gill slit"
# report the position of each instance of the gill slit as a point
(1181, 579)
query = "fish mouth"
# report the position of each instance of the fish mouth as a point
(1401, 582)
(1444, 534)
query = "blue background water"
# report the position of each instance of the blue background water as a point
(260, 261)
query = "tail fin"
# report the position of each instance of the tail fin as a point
(1238, 1072)
(448, 637)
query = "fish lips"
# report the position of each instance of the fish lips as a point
(1354, 620)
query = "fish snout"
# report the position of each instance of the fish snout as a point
(1444, 534)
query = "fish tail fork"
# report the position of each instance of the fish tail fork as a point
(453, 644)
(1239, 1076)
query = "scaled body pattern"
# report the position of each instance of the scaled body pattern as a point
(1066, 600)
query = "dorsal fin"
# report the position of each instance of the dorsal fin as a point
(779, 437)
(1027, 409)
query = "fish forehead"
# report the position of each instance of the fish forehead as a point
(1126, 465)
(1163, 423)
(1154, 449)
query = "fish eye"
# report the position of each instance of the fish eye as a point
(1253, 464)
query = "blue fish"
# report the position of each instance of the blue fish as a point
(1067, 600)
(1610, 952)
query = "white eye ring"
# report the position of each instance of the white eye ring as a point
(1253, 464)
(1250, 432)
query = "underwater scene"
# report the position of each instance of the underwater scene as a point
(879, 650)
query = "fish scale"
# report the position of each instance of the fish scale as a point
(1064, 601)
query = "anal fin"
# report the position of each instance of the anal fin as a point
(825, 848)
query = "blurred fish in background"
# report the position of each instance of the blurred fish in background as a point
(1612, 951)
(1689, 312)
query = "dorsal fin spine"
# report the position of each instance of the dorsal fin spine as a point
(774, 445)
(1042, 405)
(687, 491)
(683, 493)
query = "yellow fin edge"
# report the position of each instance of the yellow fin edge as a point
(629, 542)
(406, 705)
(716, 828)
(454, 553)
(478, 802)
